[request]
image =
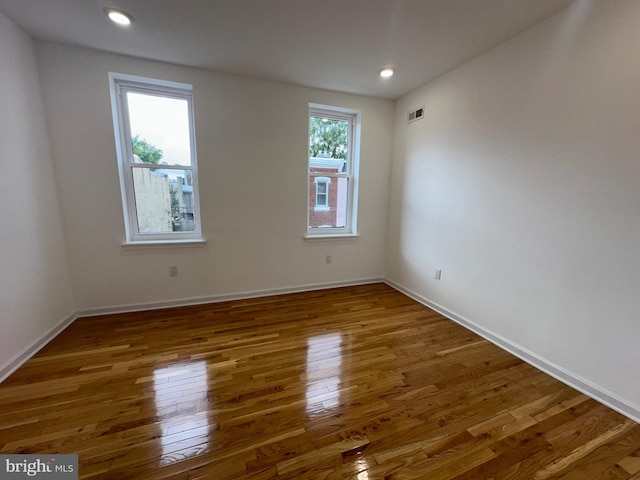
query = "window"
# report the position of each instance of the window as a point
(322, 193)
(333, 167)
(155, 143)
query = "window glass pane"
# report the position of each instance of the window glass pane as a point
(159, 129)
(164, 200)
(328, 208)
(328, 139)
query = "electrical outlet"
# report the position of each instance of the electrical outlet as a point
(327, 259)
(173, 270)
(438, 274)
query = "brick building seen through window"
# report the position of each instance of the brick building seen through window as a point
(327, 195)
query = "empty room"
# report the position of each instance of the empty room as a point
(348, 239)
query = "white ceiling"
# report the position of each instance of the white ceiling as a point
(331, 44)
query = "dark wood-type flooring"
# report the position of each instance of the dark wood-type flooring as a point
(357, 382)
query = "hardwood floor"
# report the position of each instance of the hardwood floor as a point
(358, 382)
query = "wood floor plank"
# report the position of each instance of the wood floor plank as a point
(357, 382)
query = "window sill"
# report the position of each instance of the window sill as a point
(164, 244)
(330, 236)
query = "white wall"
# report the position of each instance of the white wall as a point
(252, 157)
(522, 184)
(35, 286)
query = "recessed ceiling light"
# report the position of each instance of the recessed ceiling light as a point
(387, 72)
(118, 16)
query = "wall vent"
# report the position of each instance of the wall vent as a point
(416, 114)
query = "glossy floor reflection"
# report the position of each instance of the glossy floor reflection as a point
(179, 390)
(324, 370)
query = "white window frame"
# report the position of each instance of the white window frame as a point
(351, 174)
(119, 85)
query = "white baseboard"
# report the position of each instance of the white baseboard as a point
(21, 358)
(602, 395)
(136, 307)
